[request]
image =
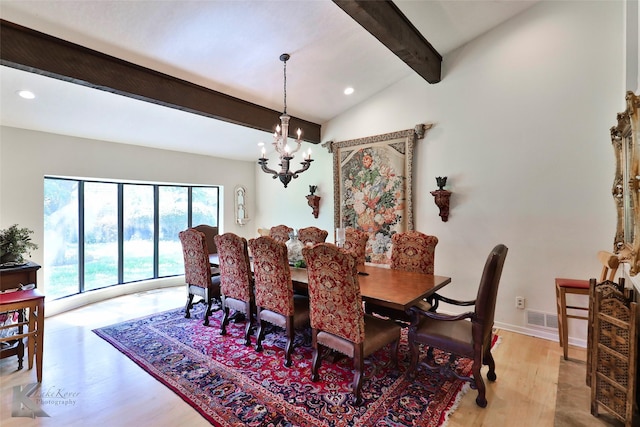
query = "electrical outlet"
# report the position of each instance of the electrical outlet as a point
(520, 303)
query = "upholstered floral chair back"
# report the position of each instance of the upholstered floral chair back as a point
(235, 271)
(335, 302)
(272, 275)
(197, 270)
(356, 242)
(280, 232)
(413, 251)
(312, 235)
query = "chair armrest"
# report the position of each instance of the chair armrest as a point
(416, 312)
(438, 298)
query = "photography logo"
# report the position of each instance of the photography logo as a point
(28, 400)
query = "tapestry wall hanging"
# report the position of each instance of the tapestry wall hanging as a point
(372, 184)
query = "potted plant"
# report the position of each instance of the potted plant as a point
(15, 243)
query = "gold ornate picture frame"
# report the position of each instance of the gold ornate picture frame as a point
(625, 138)
(372, 180)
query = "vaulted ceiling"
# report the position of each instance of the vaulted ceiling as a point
(231, 48)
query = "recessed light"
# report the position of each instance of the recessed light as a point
(348, 91)
(26, 94)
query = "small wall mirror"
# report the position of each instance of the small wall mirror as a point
(625, 137)
(240, 196)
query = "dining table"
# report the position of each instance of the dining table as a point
(383, 286)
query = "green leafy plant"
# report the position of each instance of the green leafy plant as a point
(300, 264)
(15, 243)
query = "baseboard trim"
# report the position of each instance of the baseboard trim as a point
(539, 333)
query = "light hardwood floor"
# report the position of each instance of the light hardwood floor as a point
(87, 382)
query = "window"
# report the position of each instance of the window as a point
(100, 233)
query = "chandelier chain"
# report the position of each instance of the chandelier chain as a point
(285, 87)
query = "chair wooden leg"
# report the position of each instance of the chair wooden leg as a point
(563, 322)
(261, 331)
(225, 318)
(247, 328)
(288, 349)
(559, 310)
(488, 360)
(394, 352)
(315, 365)
(207, 311)
(20, 353)
(187, 307)
(358, 364)
(481, 400)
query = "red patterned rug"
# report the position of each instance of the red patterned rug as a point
(232, 385)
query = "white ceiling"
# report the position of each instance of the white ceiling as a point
(231, 46)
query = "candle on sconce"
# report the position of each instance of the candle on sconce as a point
(286, 149)
(308, 155)
(299, 133)
(264, 152)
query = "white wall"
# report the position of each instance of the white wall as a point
(279, 205)
(27, 156)
(632, 45)
(521, 128)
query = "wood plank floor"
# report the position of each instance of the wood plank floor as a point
(87, 382)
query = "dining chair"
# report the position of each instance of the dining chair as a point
(356, 242)
(468, 334)
(411, 251)
(338, 321)
(209, 233)
(197, 272)
(236, 280)
(312, 235)
(564, 286)
(280, 232)
(275, 300)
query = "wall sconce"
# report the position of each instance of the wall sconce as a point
(442, 197)
(313, 200)
(239, 196)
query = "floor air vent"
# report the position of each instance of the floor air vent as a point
(545, 320)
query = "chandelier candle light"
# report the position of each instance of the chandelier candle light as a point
(280, 142)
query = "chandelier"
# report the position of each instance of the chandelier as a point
(280, 142)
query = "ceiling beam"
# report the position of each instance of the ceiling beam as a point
(391, 27)
(36, 52)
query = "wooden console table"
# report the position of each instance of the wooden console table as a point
(13, 277)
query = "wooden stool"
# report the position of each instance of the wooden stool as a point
(610, 264)
(33, 302)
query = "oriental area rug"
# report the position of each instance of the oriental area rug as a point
(230, 384)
